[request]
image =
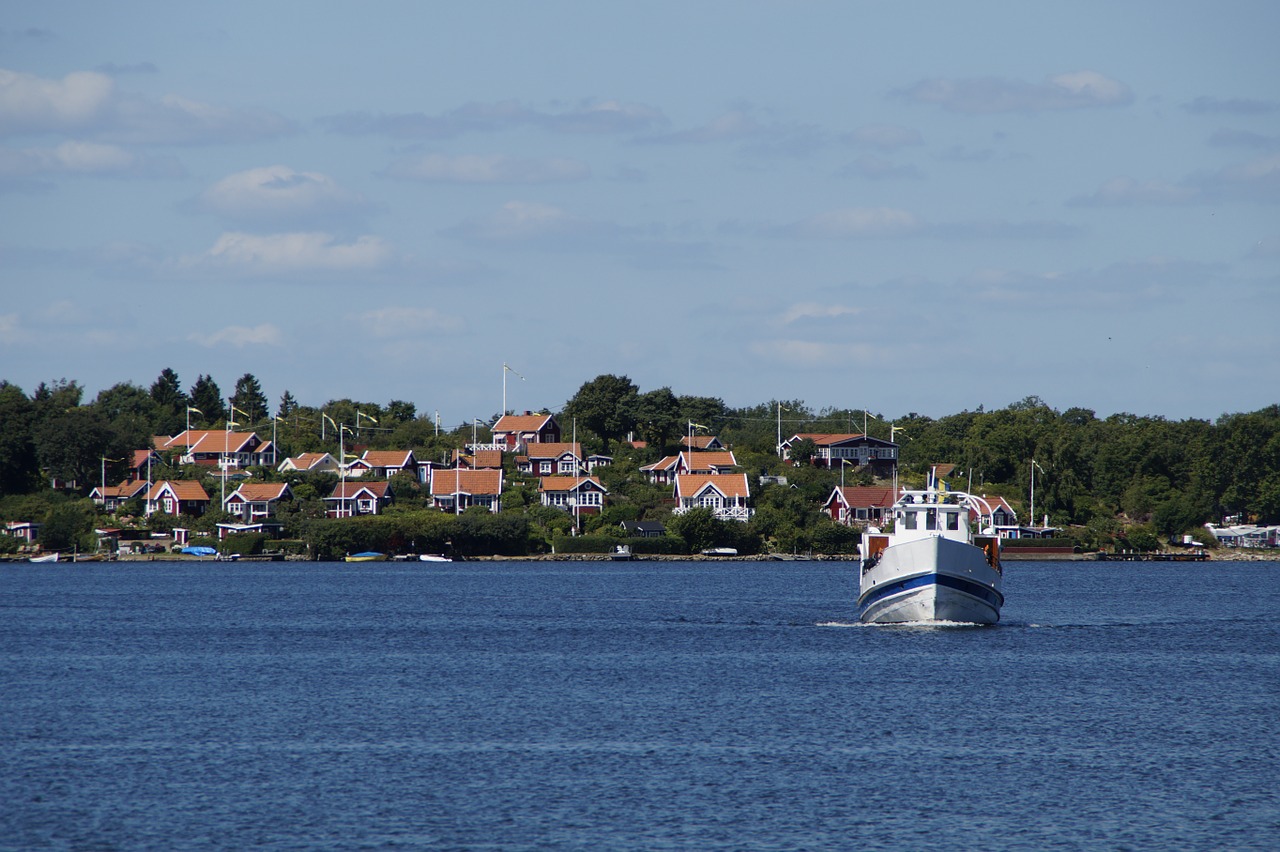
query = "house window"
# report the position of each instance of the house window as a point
(545, 467)
(709, 501)
(566, 465)
(861, 514)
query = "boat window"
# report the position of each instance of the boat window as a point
(931, 519)
(909, 520)
(953, 520)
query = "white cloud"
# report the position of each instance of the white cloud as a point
(278, 192)
(241, 336)
(85, 159)
(608, 116)
(492, 168)
(816, 310)
(296, 252)
(87, 103)
(402, 321)
(1125, 191)
(31, 104)
(10, 328)
(1073, 90)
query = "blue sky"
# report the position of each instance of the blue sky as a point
(906, 207)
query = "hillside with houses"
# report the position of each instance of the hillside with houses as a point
(148, 471)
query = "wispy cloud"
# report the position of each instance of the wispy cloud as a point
(1074, 90)
(279, 193)
(240, 336)
(490, 168)
(587, 117)
(817, 311)
(291, 253)
(400, 321)
(88, 104)
(85, 159)
(1230, 106)
(883, 137)
(531, 222)
(1256, 180)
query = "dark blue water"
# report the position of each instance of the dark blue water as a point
(632, 706)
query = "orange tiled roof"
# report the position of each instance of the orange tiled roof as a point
(707, 459)
(223, 442)
(700, 442)
(257, 492)
(551, 450)
(387, 458)
(186, 490)
(487, 459)
(667, 463)
(867, 496)
(728, 484)
(823, 439)
(348, 490)
(445, 482)
(568, 483)
(521, 422)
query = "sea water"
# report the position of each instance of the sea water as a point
(642, 705)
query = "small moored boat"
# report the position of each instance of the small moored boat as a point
(366, 556)
(433, 557)
(931, 567)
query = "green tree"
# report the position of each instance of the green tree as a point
(606, 406)
(287, 406)
(18, 466)
(249, 398)
(171, 402)
(206, 397)
(70, 446)
(657, 417)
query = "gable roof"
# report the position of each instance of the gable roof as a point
(226, 442)
(728, 484)
(126, 490)
(308, 461)
(261, 492)
(553, 450)
(700, 442)
(864, 496)
(570, 483)
(708, 459)
(388, 458)
(446, 482)
(521, 422)
(186, 490)
(665, 463)
(349, 490)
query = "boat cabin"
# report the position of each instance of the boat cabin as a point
(921, 514)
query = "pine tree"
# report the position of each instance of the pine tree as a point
(250, 399)
(288, 405)
(206, 397)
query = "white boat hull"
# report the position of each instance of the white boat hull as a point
(930, 579)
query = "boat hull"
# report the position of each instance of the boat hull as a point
(932, 579)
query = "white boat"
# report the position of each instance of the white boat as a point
(433, 557)
(45, 557)
(621, 553)
(932, 566)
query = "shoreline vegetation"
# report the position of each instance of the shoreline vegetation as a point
(1079, 482)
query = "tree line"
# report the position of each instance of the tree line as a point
(1100, 479)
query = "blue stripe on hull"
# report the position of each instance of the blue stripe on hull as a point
(983, 593)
